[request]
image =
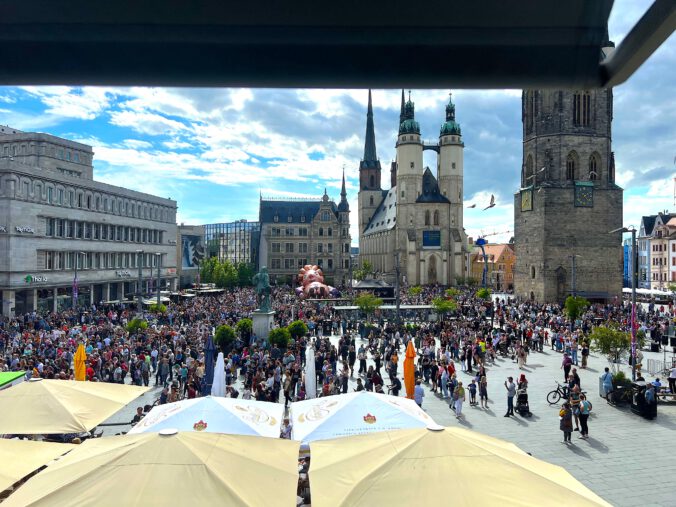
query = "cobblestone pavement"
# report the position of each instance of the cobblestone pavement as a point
(628, 460)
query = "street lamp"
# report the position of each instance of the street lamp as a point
(158, 256)
(75, 287)
(634, 274)
(139, 284)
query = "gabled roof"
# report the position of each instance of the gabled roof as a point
(299, 211)
(648, 223)
(385, 217)
(430, 190)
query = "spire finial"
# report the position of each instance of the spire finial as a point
(370, 154)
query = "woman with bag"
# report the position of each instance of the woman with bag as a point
(566, 422)
(585, 409)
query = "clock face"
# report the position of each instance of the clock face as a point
(527, 199)
(584, 196)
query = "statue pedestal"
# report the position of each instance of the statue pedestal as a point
(262, 323)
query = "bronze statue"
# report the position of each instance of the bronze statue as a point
(262, 283)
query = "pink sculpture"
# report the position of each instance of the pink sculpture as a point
(311, 280)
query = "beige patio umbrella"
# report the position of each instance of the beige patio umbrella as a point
(43, 406)
(168, 468)
(22, 457)
(414, 466)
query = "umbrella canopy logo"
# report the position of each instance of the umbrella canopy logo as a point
(199, 425)
(369, 419)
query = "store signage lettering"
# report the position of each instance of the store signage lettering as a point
(123, 274)
(26, 230)
(171, 241)
(35, 278)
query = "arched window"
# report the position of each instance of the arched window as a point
(582, 109)
(372, 181)
(530, 111)
(529, 175)
(371, 201)
(594, 167)
(571, 167)
(436, 217)
(427, 217)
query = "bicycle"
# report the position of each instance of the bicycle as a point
(561, 391)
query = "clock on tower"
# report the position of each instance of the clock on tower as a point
(584, 194)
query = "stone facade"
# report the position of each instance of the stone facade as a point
(55, 215)
(569, 201)
(420, 218)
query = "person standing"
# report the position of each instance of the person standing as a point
(483, 392)
(566, 422)
(472, 393)
(566, 365)
(607, 380)
(459, 395)
(585, 354)
(585, 409)
(511, 392)
(418, 393)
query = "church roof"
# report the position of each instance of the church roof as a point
(649, 224)
(385, 217)
(299, 211)
(430, 190)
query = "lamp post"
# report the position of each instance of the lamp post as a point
(158, 256)
(634, 275)
(139, 284)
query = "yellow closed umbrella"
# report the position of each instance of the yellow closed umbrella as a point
(44, 406)
(413, 466)
(168, 468)
(20, 458)
(79, 362)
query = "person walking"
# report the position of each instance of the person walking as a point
(607, 380)
(585, 354)
(511, 392)
(566, 365)
(483, 392)
(585, 409)
(566, 422)
(459, 395)
(418, 393)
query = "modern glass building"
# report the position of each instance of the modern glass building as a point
(235, 241)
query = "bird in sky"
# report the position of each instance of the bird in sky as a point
(491, 204)
(472, 206)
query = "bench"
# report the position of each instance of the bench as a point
(663, 395)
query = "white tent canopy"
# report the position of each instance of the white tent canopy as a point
(354, 414)
(215, 415)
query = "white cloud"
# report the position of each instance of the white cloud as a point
(137, 144)
(67, 102)
(147, 123)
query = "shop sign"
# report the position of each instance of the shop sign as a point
(171, 241)
(123, 274)
(171, 271)
(25, 230)
(35, 278)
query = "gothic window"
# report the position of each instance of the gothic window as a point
(372, 181)
(427, 217)
(371, 201)
(529, 174)
(571, 169)
(436, 217)
(530, 111)
(582, 109)
(594, 167)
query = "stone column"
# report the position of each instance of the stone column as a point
(92, 297)
(8, 303)
(120, 291)
(106, 291)
(34, 300)
(55, 299)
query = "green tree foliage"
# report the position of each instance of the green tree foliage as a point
(483, 293)
(136, 325)
(574, 306)
(244, 328)
(155, 308)
(415, 291)
(452, 292)
(225, 274)
(610, 342)
(280, 336)
(364, 271)
(368, 303)
(245, 273)
(224, 337)
(297, 329)
(443, 306)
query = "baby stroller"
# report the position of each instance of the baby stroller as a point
(522, 406)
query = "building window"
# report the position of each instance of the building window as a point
(275, 248)
(436, 217)
(571, 167)
(321, 231)
(59, 228)
(49, 229)
(302, 218)
(582, 109)
(288, 248)
(289, 231)
(528, 172)
(276, 219)
(532, 272)
(302, 231)
(330, 247)
(302, 248)
(50, 195)
(326, 216)
(89, 202)
(427, 217)
(330, 231)
(320, 248)
(372, 181)
(276, 263)
(593, 167)
(330, 263)
(371, 199)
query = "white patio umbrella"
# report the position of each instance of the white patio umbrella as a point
(310, 374)
(218, 386)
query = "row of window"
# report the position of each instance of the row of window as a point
(572, 168)
(582, 109)
(80, 199)
(325, 217)
(303, 231)
(64, 228)
(58, 260)
(659, 277)
(435, 217)
(663, 248)
(303, 248)
(299, 263)
(16, 150)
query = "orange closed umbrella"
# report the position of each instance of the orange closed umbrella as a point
(409, 370)
(79, 363)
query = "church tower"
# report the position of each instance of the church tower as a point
(568, 200)
(409, 155)
(370, 192)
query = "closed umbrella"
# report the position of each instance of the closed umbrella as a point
(218, 387)
(168, 468)
(209, 354)
(414, 465)
(409, 370)
(310, 374)
(79, 363)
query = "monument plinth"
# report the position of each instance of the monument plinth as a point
(263, 317)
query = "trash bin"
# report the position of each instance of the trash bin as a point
(654, 346)
(639, 405)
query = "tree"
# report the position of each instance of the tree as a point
(224, 337)
(280, 337)
(574, 306)
(297, 329)
(245, 273)
(364, 272)
(452, 292)
(368, 303)
(443, 306)
(415, 291)
(483, 293)
(155, 308)
(610, 342)
(244, 328)
(136, 325)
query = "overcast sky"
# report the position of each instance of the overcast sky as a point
(215, 150)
